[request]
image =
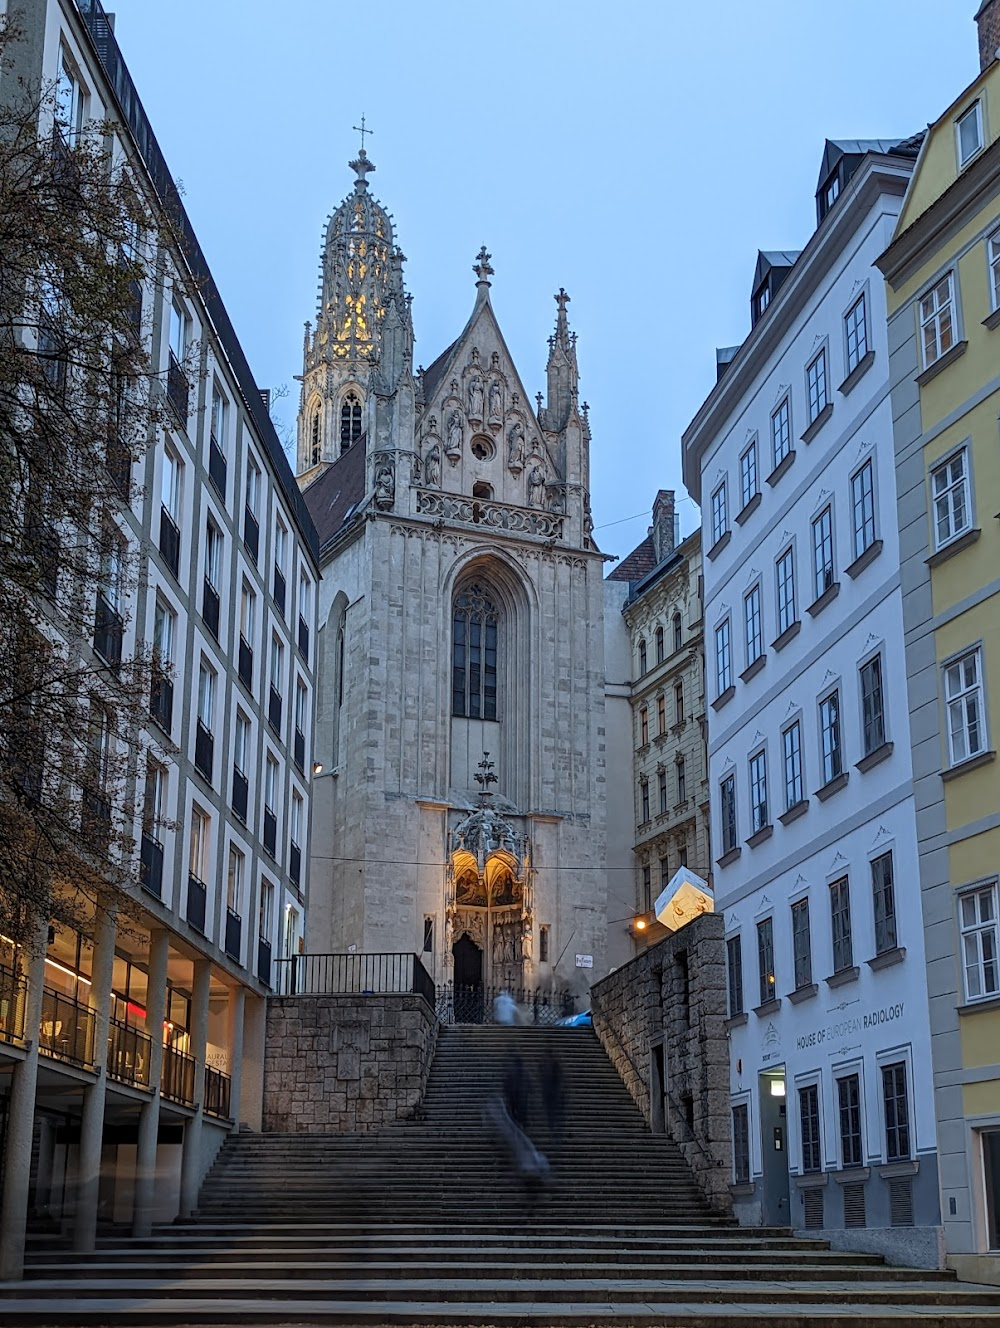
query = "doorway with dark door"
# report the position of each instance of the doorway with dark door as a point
(468, 981)
(774, 1147)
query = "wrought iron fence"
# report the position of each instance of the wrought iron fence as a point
(477, 1005)
(177, 1076)
(13, 994)
(66, 1029)
(215, 1099)
(345, 974)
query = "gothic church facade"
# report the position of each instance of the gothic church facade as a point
(461, 615)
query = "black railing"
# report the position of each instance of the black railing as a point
(279, 589)
(476, 1005)
(234, 934)
(118, 459)
(274, 708)
(294, 863)
(178, 390)
(217, 467)
(210, 607)
(66, 1029)
(161, 700)
(299, 750)
(251, 533)
(128, 1054)
(264, 961)
(270, 832)
(241, 793)
(170, 541)
(177, 1076)
(354, 974)
(13, 994)
(215, 1098)
(108, 632)
(304, 638)
(95, 814)
(245, 664)
(151, 865)
(204, 750)
(197, 894)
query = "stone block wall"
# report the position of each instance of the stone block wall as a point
(673, 996)
(345, 1064)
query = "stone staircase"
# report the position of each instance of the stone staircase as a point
(426, 1223)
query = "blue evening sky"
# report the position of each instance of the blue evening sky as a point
(636, 152)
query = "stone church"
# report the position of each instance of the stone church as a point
(460, 810)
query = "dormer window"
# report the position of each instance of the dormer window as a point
(350, 421)
(969, 133)
(763, 298)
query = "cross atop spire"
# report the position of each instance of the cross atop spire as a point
(362, 130)
(562, 325)
(481, 267)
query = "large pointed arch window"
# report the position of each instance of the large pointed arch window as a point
(315, 441)
(474, 653)
(350, 421)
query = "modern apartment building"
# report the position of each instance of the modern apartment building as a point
(943, 274)
(813, 831)
(127, 1052)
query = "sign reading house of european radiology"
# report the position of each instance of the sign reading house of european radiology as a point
(832, 1035)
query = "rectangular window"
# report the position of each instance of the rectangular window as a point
(863, 508)
(720, 513)
(647, 888)
(829, 720)
(295, 829)
(801, 943)
(198, 848)
(543, 945)
(856, 327)
(154, 799)
(727, 796)
(661, 780)
(428, 943)
(213, 554)
(178, 332)
(849, 1105)
(170, 486)
(234, 881)
(963, 690)
(980, 943)
(809, 1124)
(734, 971)
(664, 872)
(248, 613)
(678, 703)
(969, 133)
(270, 782)
(840, 921)
(822, 531)
(741, 1145)
(301, 702)
(644, 799)
(681, 772)
(951, 498)
(69, 96)
(897, 1113)
(753, 626)
(220, 409)
(872, 705)
(643, 726)
(765, 960)
(164, 625)
(749, 487)
(206, 696)
(723, 659)
(277, 664)
(265, 916)
(661, 714)
(241, 744)
(816, 386)
(937, 320)
(884, 900)
(991, 1185)
(758, 792)
(791, 743)
(280, 546)
(781, 432)
(993, 251)
(114, 553)
(253, 487)
(785, 574)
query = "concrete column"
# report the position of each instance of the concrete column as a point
(191, 1153)
(43, 1172)
(21, 1120)
(92, 1121)
(237, 1002)
(149, 1116)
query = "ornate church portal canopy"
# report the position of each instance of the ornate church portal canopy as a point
(489, 894)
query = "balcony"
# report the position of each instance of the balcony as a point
(251, 534)
(234, 934)
(161, 700)
(95, 816)
(204, 751)
(304, 638)
(241, 793)
(178, 391)
(197, 895)
(170, 541)
(118, 460)
(279, 589)
(299, 750)
(294, 863)
(66, 1030)
(108, 632)
(13, 995)
(128, 1055)
(264, 961)
(217, 468)
(270, 832)
(215, 1098)
(210, 607)
(177, 1077)
(151, 865)
(274, 709)
(245, 663)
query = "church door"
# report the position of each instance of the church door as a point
(468, 981)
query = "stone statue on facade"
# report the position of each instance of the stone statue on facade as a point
(455, 434)
(385, 487)
(432, 467)
(475, 398)
(496, 402)
(536, 487)
(515, 446)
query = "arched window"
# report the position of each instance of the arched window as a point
(315, 442)
(678, 632)
(659, 645)
(642, 658)
(340, 666)
(350, 421)
(474, 653)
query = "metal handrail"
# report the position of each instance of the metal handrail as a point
(353, 973)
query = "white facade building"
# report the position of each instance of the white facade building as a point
(813, 833)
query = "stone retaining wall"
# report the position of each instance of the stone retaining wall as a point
(674, 996)
(345, 1064)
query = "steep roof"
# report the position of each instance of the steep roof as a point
(435, 372)
(637, 564)
(334, 494)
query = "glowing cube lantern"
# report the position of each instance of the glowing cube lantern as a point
(685, 897)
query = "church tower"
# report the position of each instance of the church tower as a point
(460, 810)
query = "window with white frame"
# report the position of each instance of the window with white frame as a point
(297, 820)
(723, 658)
(895, 1101)
(69, 96)
(270, 783)
(951, 498)
(734, 973)
(849, 1105)
(170, 485)
(980, 943)
(884, 901)
(872, 706)
(277, 666)
(248, 613)
(218, 418)
(749, 487)
(765, 959)
(198, 845)
(265, 915)
(234, 881)
(801, 943)
(840, 923)
(937, 320)
(252, 496)
(758, 792)
(154, 800)
(963, 691)
(993, 254)
(785, 578)
(816, 386)
(829, 723)
(863, 507)
(720, 513)
(206, 696)
(781, 432)
(213, 554)
(727, 803)
(753, 626)
(178, 332)
(809, 1126)
(791, 744)
(856, 331)
(822, 540)
(241, 745)
(969, 133)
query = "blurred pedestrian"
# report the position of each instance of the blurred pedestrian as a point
(504, 1008)
(553, 1093)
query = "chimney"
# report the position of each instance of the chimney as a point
(664, 525)
(988, 22)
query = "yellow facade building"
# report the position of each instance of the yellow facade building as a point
(943, 284)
